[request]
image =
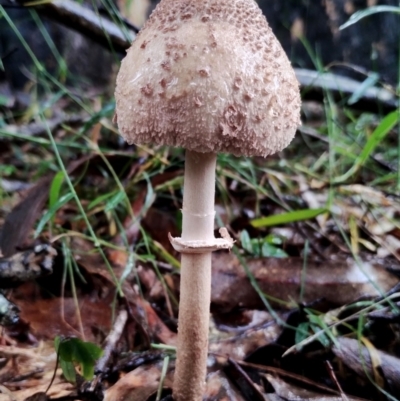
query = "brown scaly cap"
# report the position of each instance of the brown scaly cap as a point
(209, 76)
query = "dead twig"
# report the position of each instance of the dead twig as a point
(90, 23)
(112, 340)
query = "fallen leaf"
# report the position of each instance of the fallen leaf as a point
(239, 342)
(156, 328)
(36, 368)
(339, 281)
(358, 358)
(139, 384)
(20, 220)
(45, 316)
(219, 388)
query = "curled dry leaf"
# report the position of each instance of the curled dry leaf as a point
(156, 328)
(20, 220)
(237, 343)
(339, 281)
(156, 290)
(358, 358)
(218, 387)
(139, 384)
(35, 367)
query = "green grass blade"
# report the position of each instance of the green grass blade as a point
(62, 65)
(55, 188)
(378, 135)
(90, 229)
(51, 212)
(289, 217)
(100, 199)
(367, 12)
(369, 82)
(373, 141)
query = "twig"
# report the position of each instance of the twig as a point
(284, 373)
(112, 340)
(38, 128)
(89, 23)
(335, 380)
(373, 99)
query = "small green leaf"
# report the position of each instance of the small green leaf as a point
(262, 247)
(317, 323)
(302, 332)
(68, 370)
(86, 354)
(74, 350)
(323, 338)
(246, 242)
(289, 217)
(271, 251)
(57, 341)
(273, 239)
(55, 188)
(66, 350)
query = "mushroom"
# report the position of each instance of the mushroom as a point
(208, 76)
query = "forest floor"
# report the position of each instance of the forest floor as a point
(305, 306)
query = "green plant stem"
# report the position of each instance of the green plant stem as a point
(82, 211)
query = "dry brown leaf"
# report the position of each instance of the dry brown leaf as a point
(139, 384)
(6, 397)
(37, 366)
(19, 221)
(60, 388)
(219, 388)
(156, 327)
(339, 281)
(367, 194)
(357, 357)
(45, 316)
(239, 343)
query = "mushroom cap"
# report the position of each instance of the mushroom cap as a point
(209, 76)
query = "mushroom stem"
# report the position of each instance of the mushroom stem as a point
(195, 293)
